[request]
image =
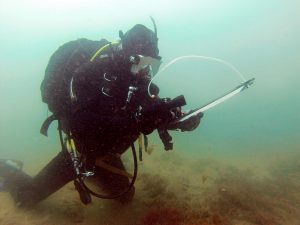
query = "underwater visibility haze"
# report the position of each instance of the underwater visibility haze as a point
(240, 166)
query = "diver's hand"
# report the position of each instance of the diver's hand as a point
(153, 117)
(188, 125)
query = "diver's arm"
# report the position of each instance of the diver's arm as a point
(187, 125)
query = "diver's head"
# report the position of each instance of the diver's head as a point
(140, 40)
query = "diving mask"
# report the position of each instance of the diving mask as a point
(140, 63)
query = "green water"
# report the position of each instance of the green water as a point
(260, 38)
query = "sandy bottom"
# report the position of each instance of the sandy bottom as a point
(171, 189)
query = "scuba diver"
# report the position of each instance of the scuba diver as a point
(97, 90)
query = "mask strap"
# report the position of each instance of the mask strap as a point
(154, 24)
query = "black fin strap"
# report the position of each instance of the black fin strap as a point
(46, 124)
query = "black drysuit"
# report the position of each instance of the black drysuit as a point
(99, 124)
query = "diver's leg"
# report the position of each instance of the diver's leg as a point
(27, 191)
(113, 183)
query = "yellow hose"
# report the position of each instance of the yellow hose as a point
(100, 50)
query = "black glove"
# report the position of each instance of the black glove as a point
(153, 117)
(187, 125)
